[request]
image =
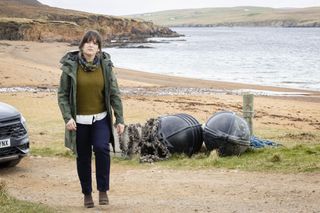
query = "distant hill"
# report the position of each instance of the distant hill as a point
(235, 16)
(33, 21)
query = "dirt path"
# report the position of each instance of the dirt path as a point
(53, 181)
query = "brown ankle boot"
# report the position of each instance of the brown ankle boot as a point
(103, 198)
(88, 201)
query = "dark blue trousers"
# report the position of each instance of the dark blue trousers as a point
(94, 137)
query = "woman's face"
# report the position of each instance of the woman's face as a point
(90, 48)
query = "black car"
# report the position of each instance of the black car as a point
(14, 140)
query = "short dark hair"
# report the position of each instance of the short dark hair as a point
(91, 35)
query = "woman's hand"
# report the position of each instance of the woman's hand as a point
(120, 128)
(71, 125)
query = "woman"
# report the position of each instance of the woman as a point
(88, 89)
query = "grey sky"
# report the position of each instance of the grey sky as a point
(126, 7)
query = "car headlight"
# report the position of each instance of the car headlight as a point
(23, 122)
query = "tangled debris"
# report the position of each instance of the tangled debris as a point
(143, 141)
(151, 148)
(130, 141)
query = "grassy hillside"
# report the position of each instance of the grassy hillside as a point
(236, 16)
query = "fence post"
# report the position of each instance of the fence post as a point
(248, 110)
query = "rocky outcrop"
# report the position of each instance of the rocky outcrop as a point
(33, 30)
(37, 22)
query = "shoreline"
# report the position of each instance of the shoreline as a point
(36, 65)
(148, 95)
(178, 81)
(161, 91)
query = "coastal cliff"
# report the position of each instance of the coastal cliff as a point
(32, 21)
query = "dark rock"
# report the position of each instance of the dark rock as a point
(138, 47)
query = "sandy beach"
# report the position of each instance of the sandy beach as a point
(289, 116)
(39, 64)
(34, 64)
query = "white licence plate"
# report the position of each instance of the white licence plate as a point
(4, 143)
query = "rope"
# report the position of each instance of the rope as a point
(256, 143)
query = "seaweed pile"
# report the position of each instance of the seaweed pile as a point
(143, 141)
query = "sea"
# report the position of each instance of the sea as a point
(281, 57)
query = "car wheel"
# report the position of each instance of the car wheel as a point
(11, 163)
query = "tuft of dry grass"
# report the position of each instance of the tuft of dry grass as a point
(275, 158)
(214, 156)
(2, 186)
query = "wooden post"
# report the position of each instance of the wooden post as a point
(248, 110)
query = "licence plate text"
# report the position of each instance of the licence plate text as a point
(4, 143)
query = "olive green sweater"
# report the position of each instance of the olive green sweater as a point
(90, 92)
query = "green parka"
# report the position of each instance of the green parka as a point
(68, 89)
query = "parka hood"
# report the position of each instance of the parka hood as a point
(70, 57)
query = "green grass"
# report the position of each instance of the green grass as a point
(47, 135)
(299, 158)
(9, 204)
(239, 16)
(293, 158)
(300, 154)
(51, 152)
